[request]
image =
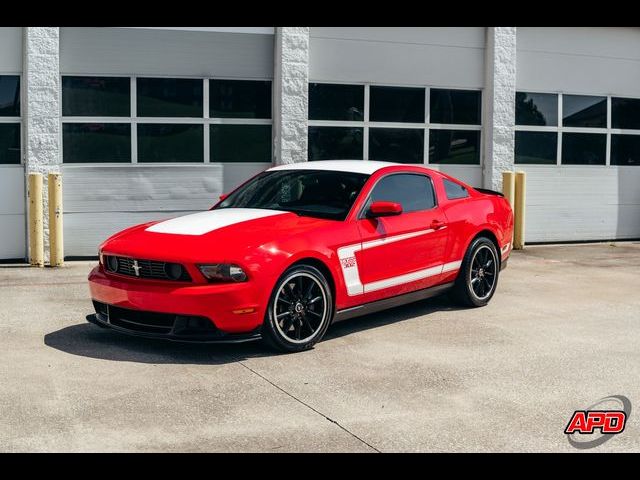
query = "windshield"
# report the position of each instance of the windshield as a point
(314, 193)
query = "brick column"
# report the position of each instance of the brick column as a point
(291, 94)
(499, 104)
(41, 107)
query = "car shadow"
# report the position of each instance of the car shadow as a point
(91, 341)
(393, 315)
(88, 340)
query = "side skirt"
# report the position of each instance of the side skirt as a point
(391, 302)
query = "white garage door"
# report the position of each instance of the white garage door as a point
(158, 123)
(12, 199)
(578, 132)
(12, 213)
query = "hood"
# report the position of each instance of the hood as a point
(212, 235)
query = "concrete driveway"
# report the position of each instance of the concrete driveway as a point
(562, 331)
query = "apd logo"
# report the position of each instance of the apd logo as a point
(593, 426)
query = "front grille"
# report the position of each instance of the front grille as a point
(146, 268)
(155, 323)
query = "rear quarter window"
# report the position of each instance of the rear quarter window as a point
(454, 190)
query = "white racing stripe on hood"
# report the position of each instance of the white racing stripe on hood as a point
(205, 222)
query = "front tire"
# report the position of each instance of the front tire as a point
(478, 276)
(299, 311)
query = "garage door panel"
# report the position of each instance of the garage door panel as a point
(578, 60)
(454, 36)
(560, 223)
(84, 232)
(12, 212)
(471, 175)
(141, 188)
(12, 199)
(577, 185)
(102, 200)
(628, 222)
(578, 224)
(582, 203)
(165, 52)
(628, 186)
(398, 57)
(12, 237)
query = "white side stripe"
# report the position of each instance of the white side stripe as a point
(351, 274)
(401, 279)
(451, 266)
(396, 238)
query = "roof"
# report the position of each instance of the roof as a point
(355, 166)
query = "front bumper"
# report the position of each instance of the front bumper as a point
(231, 308)
(164, 326)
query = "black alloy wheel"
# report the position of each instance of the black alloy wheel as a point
(478, 276)
(299, 311)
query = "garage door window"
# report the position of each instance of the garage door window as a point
(170, 142)
(396, 104)
(96, 96)
(96, 142)
(455, 107)
(10, 119)
(239, 99)
(625, 137)
(109, 119)
(584, 111)
(329, 101)
(536, 147)
(169, 97)
(394, 123)
(240, 143)
(536, 109)
(326, 143)
(458, 147)
(396, 144)
(594, 130)
(584, 149)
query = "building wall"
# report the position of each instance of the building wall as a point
(565, 202)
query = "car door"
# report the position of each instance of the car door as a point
(405, 252)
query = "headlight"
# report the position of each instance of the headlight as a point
(223, 272)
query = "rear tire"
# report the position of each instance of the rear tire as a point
(299, 311)
(478, 276)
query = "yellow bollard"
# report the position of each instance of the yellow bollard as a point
(56, 245)
(519, 209)
(509, 186)
(36, 225)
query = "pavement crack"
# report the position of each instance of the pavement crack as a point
(335, 422)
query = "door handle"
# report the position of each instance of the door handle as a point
(437, 224)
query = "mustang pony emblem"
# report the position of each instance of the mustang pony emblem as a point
(136, 267)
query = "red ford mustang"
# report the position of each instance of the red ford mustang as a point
(300, 246)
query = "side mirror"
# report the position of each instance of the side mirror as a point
(384, 209)
(223, 196)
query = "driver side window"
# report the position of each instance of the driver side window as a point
(413, 191)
